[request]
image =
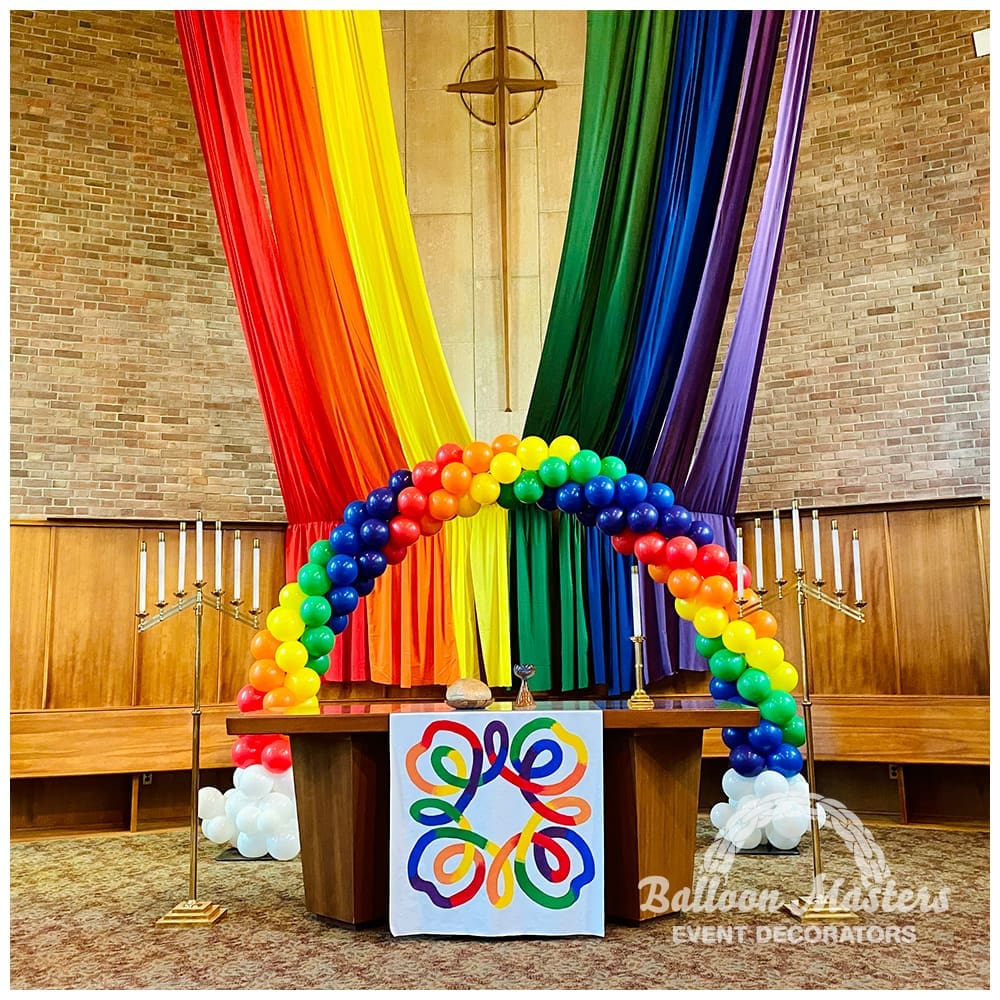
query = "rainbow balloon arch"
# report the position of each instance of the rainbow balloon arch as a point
(747, 663)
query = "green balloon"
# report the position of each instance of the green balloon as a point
(553, 472)
(318, 640)
(584, 465)
(726, 665)
(528, 487)
(794, 731)
(321, 552)
(778, 707)
(613, 467)
(312, 579)
(708, 647)
(754, 685)
(315, 610)
(321, 664)
(507, 500)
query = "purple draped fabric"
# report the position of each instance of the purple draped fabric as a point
(708, 485)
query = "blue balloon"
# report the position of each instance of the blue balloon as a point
(599, 491)
(381, 504)
(355, 513)
(371, 564)
(343, 600)
(722, 690)
(338, 624)
(660, 496)
(374, 534)
(765, 736)
(785, 760)
(746, 761)
(399, 480)
(734, 737)
(701, 533)
(630, 490)
(643, 517)
(612, 520)
(365, 587)
(345, 541)
(342, 570)
(675, 521)
(587, 516)
(547, 501)
(570, 498)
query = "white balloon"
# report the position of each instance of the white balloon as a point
(246, 819)
(269, 821)
(210, 803)
(284, 783)
(228, 793)
(735, 785)
(770, 783)
(218, 829)
(780, 841)
(238, 777)
(280, 803)
(720, 814)
(235, 803)
(251, 845)
(283, 846)
(257, 781)
(820, 814)
(791, 820)
(798, 785)
(749, 840)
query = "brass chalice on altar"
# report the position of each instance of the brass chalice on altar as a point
(524, 698)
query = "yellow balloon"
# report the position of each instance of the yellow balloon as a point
(765, 653)
(468, 506)
(505, 468)
(291, 656)
(564, 447)
(784, 677)
(303, 683)
(308, 707)
(531, 452)
(738, 635)
(285, 624)
(686, 608)
(710, 622)
(291, 596)
(484, 489)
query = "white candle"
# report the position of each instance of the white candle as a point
(779, 572)
(817, 554)
(739, 564)
(856, 552)
(142, 578)
(161, 569)
(199, 550)
(236, 566)
(758, 553)
(218, 557)
(636, 609)
(796, 536)
(838, 580)
(256, 575)
(181, 553)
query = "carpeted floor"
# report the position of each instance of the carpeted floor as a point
(82, 915)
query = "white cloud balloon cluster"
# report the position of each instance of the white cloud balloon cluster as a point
(769, 808)
(256, 816)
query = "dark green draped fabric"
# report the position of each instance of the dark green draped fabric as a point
(590, 340)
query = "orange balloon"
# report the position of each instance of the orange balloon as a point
(279, 700)
(456, 478)
(477, 456)
(683, 583)
(505, 442)
(764, 624)
(661, 574)
(467, 507)
(266, 675)
(442, 505)
(716, 591)
(430, 525)
(264, 645)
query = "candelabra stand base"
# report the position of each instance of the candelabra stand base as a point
(640, 701)
(764, 850)
(192, 913)
(817, 911)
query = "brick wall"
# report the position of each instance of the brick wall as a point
(131, 392)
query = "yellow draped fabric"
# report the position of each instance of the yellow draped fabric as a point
(353, 93)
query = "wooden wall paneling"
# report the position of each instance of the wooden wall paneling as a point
(30, 605)
(92, 624)
(88, 803)
(983, 515)
(941, 621)
(846, 656)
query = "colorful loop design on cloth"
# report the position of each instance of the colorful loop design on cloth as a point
(461, 854)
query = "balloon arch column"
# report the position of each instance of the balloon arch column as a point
(747, 663)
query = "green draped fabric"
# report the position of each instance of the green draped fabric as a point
(590, 340)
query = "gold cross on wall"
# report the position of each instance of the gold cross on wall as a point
(502, 85)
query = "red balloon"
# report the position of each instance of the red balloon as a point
(394, 553)
(651, 548)
(712, 560)
(447, 454)
(244, 754)
(426, 477)
(404, 530)
(732, 578)
(681, 552)
(625, 542)
(412, 503)
(277, 756)
(430, 525)
(249, 699)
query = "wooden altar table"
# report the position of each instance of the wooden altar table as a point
(652, 771)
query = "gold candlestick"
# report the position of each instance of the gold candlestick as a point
(640, 700)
